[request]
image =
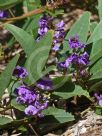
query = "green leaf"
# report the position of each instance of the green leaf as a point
(25, 39)
(81, 27)
(5, 120)
(98, 110)
(37, 60)
(60, 115)
(5, 4)
(30, 26)
(96, 51)
(60, 81)
(69, 90)
(22, 128)
(12, 87)
(93, 26)
(97, 75)
(95, 87)
(100, 8)
(96, 70)
(97, 34)
(17, 106)
(6, 75)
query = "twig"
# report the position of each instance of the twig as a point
(33, 130)
(31, 13)
(11, 13)
(85, 111)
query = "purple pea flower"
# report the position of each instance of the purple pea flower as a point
(45, 84)
(74, 43)
(3, 14)
(99, 98)
(55, 48)
(31, 110)
(62, 64)
(68, 61)
(42, 22)
(43, 27)
(20, 72)
(20, 100)
(84, 59)
(25, 95)
(59, 34)
(60, 25)
(42, 31)
(41, 106)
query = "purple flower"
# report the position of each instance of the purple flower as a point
(74, 43)
(99, 98)
(42, 22)
(45, 84)
(20, 100)
(68, 61)
(25, 94)
(43, 27)
(62, 64)
(21, 91)
(42, 31)
(41, 106)
(55, 48)
(3, 14)
(20, 72)
(31, 110)
(59, 34)
(84, 59)
(60, 25)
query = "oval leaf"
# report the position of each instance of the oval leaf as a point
(6, 75)
(60, 115)
(97, 34)
(37, 60)
(96, 51)
(69, 90)
(5, 120)
(17, 106)
(24, 38)
(100, 8)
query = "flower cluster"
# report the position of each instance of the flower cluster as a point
(74, 43)
(43, 27)
(78, 59)
(45, 84)
(33, 100)
(20, 72)
(59, 35)
(99, 98)
(3, 14)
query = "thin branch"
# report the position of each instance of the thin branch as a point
(31, 13)
(33, 130)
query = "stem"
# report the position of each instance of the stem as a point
(85, 111)
(31, 13)
(33, 130)
(11, 13)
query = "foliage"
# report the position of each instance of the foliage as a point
(46, 48)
